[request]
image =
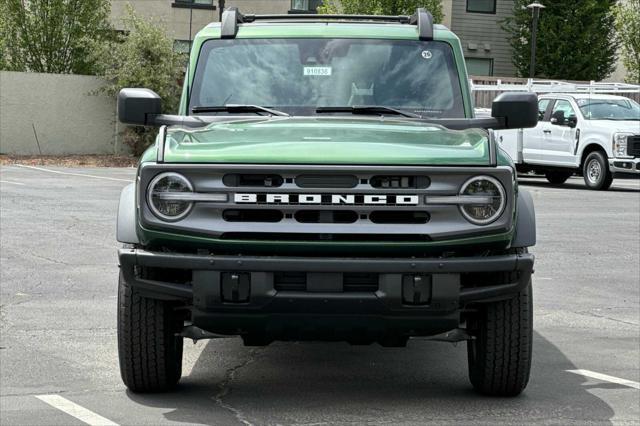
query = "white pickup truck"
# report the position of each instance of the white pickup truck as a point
(595, 135)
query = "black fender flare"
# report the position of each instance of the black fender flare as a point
(525, 234)
(126, 225)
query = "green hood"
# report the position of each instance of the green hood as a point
(327, 140)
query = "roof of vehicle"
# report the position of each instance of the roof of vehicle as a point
(582, 95)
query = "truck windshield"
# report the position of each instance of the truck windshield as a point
(298, 76)
(609, 109)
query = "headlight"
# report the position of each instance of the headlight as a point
(620, 144)
(490, 203)
(165, 196)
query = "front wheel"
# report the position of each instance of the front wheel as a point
(596, 171)
(500, 353)
(149, 351)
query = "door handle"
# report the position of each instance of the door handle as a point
(547, 131)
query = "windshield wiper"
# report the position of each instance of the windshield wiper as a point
(368, 109)
(234, 108)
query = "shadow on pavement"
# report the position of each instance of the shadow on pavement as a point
(573, 186)
(336, 383)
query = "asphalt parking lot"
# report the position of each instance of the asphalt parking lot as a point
(58, 356)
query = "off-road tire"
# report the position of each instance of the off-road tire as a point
(149, 351)
(556, 177)
(500, 355)
(602, 180)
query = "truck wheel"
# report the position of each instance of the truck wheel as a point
(500, 355)
(596, 171)
(557, 178)
(150, 353)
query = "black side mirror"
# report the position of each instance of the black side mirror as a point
(572, 122)
(516, 110)
(137, 106)
(558, 119)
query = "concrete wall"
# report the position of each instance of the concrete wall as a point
(66, 118)
(482, 36)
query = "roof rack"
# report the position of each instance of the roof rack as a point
(422, 19)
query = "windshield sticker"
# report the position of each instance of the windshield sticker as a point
(426, 54)
(317, 71)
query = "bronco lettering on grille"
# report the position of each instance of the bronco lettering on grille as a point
(331, 199)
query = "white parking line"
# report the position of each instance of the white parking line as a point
(606, 378)
(75, 410)
(12, 183)
(42, 169)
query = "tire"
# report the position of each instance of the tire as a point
(149, 351)
(500, 355)
(596, 171)
(557, 178)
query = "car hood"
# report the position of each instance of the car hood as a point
(327, 140)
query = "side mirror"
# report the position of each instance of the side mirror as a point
(572, 122)
(516, 110)
(558, 119)
(136, 106)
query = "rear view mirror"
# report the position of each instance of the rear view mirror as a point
(557, 118)
(138, 106)
(516, 110)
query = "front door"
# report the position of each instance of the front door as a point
(559, 140)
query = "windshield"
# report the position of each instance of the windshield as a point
(609, 109)
(300, 75)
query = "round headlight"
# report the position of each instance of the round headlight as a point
(165, 196)
(490, 203)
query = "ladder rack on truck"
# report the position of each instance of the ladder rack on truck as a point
(554, 86)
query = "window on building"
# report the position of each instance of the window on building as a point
(305, 6)
(194, 4)
(479, 66)
(481, 6)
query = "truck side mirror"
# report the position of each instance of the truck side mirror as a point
(558, 119)
(136, 106)
(516, 110)
(572, 121)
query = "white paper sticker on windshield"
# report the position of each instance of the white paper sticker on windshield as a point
(322, 71)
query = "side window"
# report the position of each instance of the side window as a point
(542, 108)
(564, 106)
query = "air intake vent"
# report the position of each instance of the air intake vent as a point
(360, 282)
(324, 181)
(252, 215)
(419, 182)
(326, 216)
(276, 236)
(254, 180)
(399, 217)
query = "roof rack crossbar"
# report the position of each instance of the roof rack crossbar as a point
(232, 17)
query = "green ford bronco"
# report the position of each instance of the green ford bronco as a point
(325, 179)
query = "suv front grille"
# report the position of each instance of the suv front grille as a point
(633, 146)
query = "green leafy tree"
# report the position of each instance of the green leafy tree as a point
(627, 15)
(52, 36)
(575, 39)
(142, 57)
(382, 7)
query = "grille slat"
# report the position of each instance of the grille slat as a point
(363, 282)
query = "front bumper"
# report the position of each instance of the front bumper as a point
(324, 309)
(625, 166)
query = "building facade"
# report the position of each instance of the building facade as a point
(478, 23)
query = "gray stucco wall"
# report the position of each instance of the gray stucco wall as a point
(66, 117)
(485, 32)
